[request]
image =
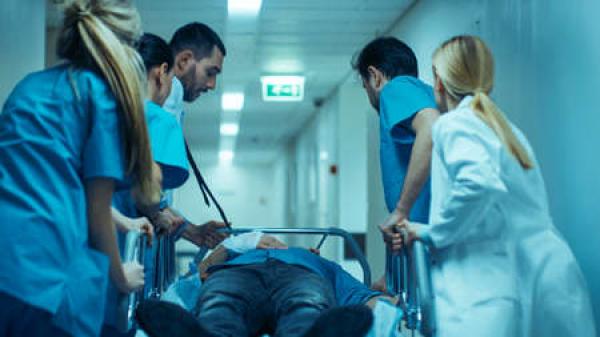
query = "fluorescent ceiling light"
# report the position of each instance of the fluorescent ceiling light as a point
(243, 7)
(229, 129)
(283, 88)
(282, 79)
(232, 101)
(226, 156)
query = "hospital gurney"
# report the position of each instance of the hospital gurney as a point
(408, 277)
(164, 264)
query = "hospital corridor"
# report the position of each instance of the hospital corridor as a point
(299, 168)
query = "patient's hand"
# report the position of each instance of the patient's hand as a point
(270, 242)
(380, 285)
(314, 251)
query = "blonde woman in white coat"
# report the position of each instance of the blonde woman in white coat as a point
(501, 267)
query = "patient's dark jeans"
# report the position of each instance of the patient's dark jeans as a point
(272, 297)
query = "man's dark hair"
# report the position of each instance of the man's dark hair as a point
(154, 51)
(197, 37)
(389, 55)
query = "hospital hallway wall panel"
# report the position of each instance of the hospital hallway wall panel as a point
(22, 38)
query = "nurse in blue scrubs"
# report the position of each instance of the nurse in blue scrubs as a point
(407, 110)
(69, 136)
(168, 150)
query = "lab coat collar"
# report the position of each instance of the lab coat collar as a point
(465, 102)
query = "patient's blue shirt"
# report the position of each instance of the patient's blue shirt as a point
(348, 290)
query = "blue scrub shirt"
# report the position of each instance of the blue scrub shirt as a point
(400, 100)
(348, 290)
(51, 141)
(168, 145)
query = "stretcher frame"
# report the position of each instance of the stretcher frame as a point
(165, 273)
(408, 276)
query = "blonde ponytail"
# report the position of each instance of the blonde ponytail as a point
(489, 112)
(99, 34)
(465, 66)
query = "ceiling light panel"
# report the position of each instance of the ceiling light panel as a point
(229, 129)
(243, 7)
(232, 101)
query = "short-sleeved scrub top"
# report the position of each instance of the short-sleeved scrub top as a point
(59, 128)
(400, 100)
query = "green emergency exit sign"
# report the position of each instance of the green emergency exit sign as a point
(283, 88)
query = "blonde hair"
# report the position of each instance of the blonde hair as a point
(465, 66)
(100, 35)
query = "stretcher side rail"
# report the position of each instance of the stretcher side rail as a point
(163, 276)
(135, 246)
(408, 276)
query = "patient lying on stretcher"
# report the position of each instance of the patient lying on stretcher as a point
(272, 289)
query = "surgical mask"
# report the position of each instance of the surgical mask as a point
(174, 103)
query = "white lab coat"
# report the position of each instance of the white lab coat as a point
(501, 268)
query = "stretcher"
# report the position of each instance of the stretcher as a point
(164, 262)
(407, 274)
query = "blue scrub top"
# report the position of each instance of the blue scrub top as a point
(348, 290)
(400, 100)
(168, 146)
(51, 141)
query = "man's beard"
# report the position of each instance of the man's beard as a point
(187, 80)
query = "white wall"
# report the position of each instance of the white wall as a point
(376, 207)
(352, 156)
(22, 38)
(315, 198)
(548, 73)
(361, 202)
(346, 129)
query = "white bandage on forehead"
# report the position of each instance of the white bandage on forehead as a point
(243, 242)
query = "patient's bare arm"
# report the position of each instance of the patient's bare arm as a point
(218, 256)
